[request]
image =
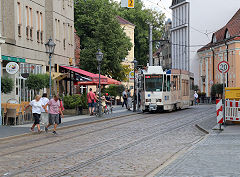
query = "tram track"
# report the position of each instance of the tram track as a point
(78, 166)
(69, 132)
(163, 131)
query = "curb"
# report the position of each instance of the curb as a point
(68, 126)
(201, 129)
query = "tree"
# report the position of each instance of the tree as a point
(98, 28)
(140, 17)
(37, 82)
(7, 85)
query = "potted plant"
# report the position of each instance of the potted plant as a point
(84, 105)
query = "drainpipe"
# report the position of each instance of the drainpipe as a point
(227, 60)
(213, 53)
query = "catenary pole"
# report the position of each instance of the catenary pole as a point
(150, 45)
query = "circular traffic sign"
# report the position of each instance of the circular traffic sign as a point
(223, 67)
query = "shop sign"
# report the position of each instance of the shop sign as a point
(12, 68)
(14, 59)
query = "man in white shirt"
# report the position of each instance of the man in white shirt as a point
(44, 115)
(195, 97)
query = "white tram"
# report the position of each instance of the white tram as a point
(169, 90)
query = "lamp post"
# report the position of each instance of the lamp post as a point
(99, 56)
(50, 46)
(2, 41)
(134, 95)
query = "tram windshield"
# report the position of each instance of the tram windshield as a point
(153, 83)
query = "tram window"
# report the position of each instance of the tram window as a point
(164, 83)
(153, 83)
(168, 83)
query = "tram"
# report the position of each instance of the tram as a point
(165, 90)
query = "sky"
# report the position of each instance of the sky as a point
(160, 5)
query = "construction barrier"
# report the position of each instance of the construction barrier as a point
(219, 109)
(232, 109)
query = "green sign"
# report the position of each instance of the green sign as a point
(15, 59)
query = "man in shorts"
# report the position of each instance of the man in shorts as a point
(54, 111)
(91, 101)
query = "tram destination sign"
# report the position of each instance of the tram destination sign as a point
(223, 67)
(153, 76)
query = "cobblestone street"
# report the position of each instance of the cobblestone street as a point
(135, 145)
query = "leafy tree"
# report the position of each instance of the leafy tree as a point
(115, 90)
(140, 17)
(7, 85)
(37, 81)
(98, 28)
(217, 89)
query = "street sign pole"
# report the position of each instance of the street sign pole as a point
(224, 98)
(223, 67)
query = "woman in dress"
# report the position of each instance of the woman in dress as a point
(36, 105)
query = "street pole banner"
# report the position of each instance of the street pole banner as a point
(219, 109)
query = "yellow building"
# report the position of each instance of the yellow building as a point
(129, 30)
(225, 46)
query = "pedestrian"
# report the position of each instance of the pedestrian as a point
(195, 97)
(129, 100)
(54, 111)
(124, 95)
(91, 98)
(62, 109)
(36, 105)
(44, 114)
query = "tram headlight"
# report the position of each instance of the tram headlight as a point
(148, 100)
(158, 100)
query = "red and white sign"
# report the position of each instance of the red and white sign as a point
(223, 67)
(219, 109)
(232, 112)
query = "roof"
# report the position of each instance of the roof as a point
(94, 77)
(233, 28)
(124, 21)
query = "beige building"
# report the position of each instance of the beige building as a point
(225, 46)
(27, 25)
(129, 30)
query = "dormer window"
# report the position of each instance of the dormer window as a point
(227, 34)
(214, 39)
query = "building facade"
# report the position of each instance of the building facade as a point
(162, 57)
(27, 25)
(129, 30)
(180, 35)
(224, 46)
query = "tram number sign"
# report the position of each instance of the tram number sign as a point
(223, 67)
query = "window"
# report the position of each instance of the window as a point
(63, 4)
(27, 21)
(38, 26)
(227, 35)
(41, 27)
(214, 39)
(31, 23)
(64, 36)
(153, 83)
(71, 32)
(19, 19)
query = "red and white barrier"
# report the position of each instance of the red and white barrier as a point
(232, 110)
(219, 108)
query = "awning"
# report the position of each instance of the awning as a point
(94, 77)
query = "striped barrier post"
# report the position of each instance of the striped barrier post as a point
(219, 109)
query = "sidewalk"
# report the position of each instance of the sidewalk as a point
(7, 131)
(217, 155)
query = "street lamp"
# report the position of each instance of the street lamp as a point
(99, 56)
(50, 46)
(134, 95)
